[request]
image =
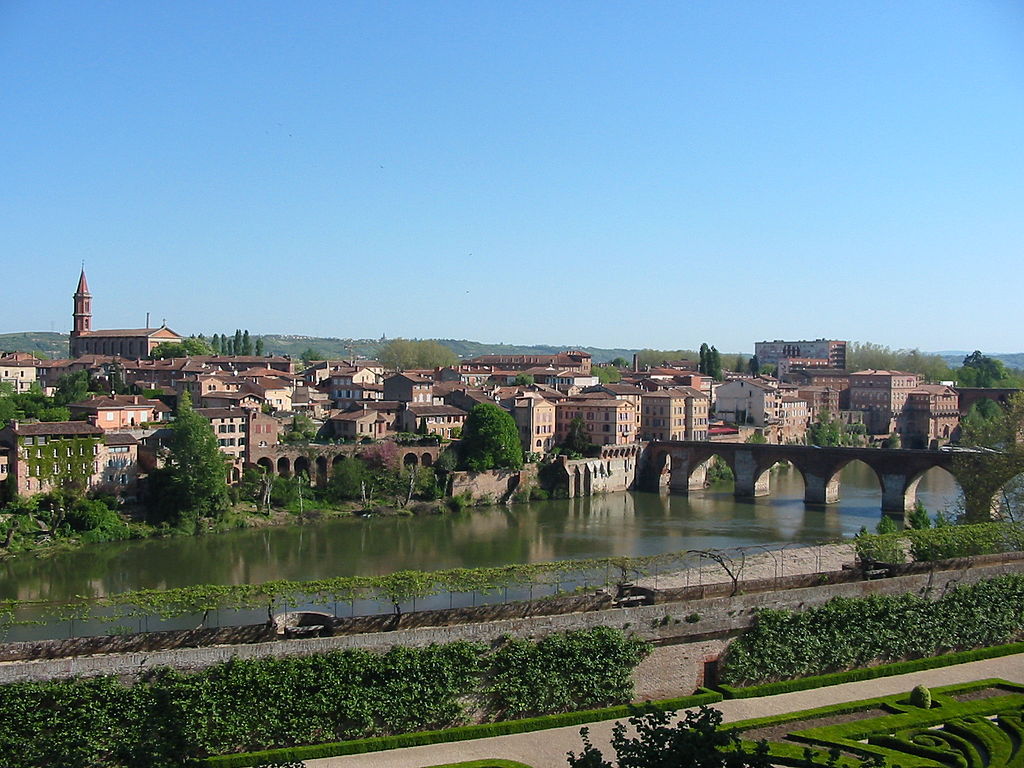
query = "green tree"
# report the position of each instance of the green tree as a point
(607, 374)
(991, 470)
(72, 388)
(189, 347)
(259, 351)
(893, 441)
(236, 345)
(193, 482)
(246, 343)
(403, 354)
(310, 355)
(696, 740)
(754, 365)
(524, 380)
(826, 431)
(620, 362)
(577, 439)
(490, 440)
(918, 518)
(715, 365)
(756, 438)
(702, 364)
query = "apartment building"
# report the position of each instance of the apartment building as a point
(608, 421)
(676, 413)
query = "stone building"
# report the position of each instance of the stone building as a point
(124, 342)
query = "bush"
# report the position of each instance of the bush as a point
(860, 632)
(170, 717)
(921, 697)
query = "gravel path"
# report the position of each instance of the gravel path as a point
(759, 564)
(547, 749)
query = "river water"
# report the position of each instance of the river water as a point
(599, 526)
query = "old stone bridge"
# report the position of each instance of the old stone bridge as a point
(898, 471)
(317, 461)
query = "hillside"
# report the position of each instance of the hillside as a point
(55, 345)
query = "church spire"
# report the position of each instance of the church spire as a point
(83, 310)
(83, 285)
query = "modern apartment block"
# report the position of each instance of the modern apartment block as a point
(772, 352)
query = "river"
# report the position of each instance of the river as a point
(607, 525)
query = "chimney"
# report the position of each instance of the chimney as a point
(636, 362)
(147, 321)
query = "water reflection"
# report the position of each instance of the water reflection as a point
(599, 526)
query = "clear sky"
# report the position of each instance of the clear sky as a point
(641, 174)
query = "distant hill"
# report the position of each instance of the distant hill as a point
(55, 345)
(46, 344)
(955, 358)
(337, 348)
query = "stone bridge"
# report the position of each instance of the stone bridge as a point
(899, 471)
(968, 396)
(318, 460)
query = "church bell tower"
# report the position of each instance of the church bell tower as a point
(83, 311)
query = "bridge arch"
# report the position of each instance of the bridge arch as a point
(284, 467)
(266, 464)
(301, 466)
(426, 460)
(321, 470)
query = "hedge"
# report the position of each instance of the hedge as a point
(931, 544)
(254, 704)
(870, 673)
(850, 736)
(847, 633)
(485, 730)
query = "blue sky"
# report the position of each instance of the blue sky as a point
(610, 174)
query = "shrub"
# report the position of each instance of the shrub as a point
(921, 697)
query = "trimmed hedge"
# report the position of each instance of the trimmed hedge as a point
(254, 704)
(870, 673)
(847, 633)
(464, 733)
(877, 730)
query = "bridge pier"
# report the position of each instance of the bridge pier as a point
(898, 496)
(682, 479)
(819, 489)
(751, 481)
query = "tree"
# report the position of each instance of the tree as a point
(607, 374)
(490, 440)
(754, 365)
(310, 355)
(193, 482)
(715, 365)
(348, 480)
(702, 365)
(524, 380)
(697, 740)
(620, 362)
(189, 347)
(236, 345)
(826, 431)
(577, 440)
(259, 347)
(72, 388)
(403, 354)
(892, 441)
(991, 470)
(246, 343)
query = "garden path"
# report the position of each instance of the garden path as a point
(547, 749)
